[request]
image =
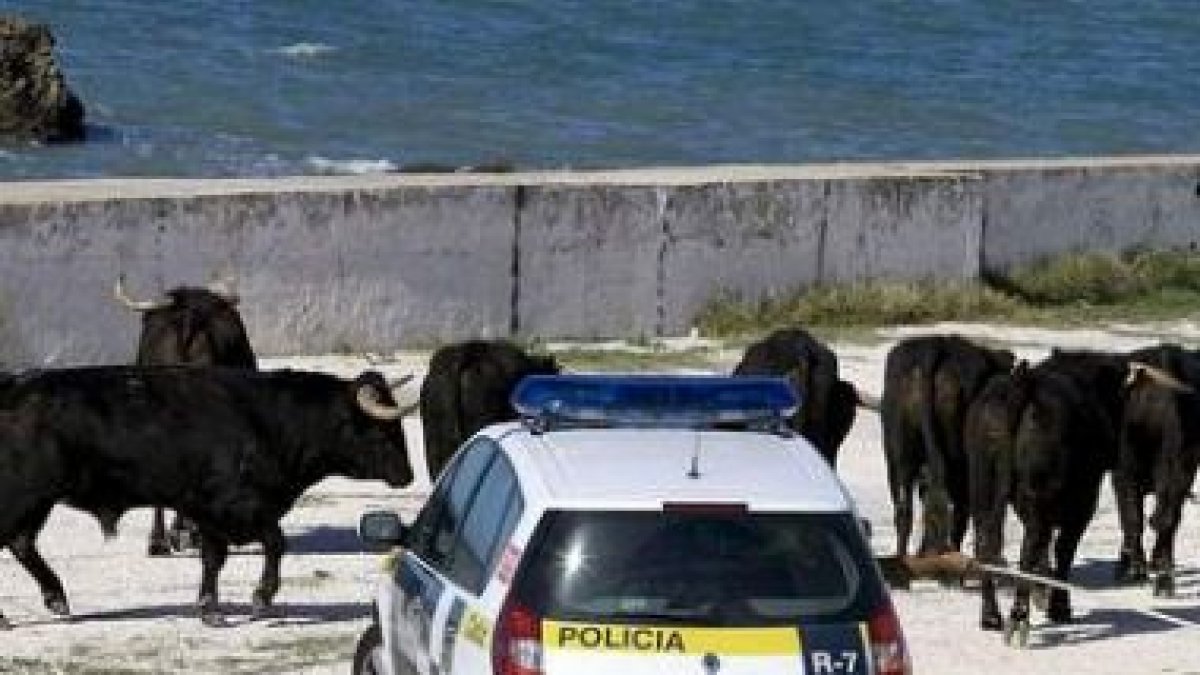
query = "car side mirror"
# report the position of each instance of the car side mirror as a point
(382, 529)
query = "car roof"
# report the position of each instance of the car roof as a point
(641, 468)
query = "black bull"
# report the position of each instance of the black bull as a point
(230, 449)
(829, 403)
(469, 386)
(190, 326)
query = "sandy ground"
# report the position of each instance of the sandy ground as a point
(134, 614)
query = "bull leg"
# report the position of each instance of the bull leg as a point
(1167, 513)
(935, 529)
(901, 483)
(274, 545)
(213, 553)
(183, 535)
(1131, 560)
(960, 505)
(1034, 553)
(24, 549)
(989, 544)
(1065, 546)
(158, 545)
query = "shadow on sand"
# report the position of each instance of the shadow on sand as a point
(236, 614)
(326, 540)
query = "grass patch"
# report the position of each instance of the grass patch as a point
(1085, 288)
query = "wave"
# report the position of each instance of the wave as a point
(356, 167)
(304, 49)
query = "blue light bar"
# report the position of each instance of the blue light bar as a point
(688, 401)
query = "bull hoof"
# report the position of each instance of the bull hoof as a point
(262, 608)
(57, 605)
(158, 549)
(1164, 586)
(212, 618)
(991, 622)
(1016, 634)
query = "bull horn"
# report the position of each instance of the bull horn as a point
(1156, 375)
(368, 400)
(136, 305)
(221, 289)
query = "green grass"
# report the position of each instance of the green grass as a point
(1087, 288)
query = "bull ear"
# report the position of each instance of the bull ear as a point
(136, 305)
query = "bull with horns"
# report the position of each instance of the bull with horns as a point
(187, 326)
(230, 449)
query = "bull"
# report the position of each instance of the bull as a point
(229, 449)
(1038, 441)
(929, 383)
(829, 403)
(469, 386)
(189, 326)
(1158, 454)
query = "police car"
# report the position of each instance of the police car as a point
(634, 524)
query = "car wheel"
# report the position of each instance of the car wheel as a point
(369, 653)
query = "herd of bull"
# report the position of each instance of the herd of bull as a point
(975, 431)
(195, 427)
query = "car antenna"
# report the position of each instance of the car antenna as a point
(694, 471)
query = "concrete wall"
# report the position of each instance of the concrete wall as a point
(383, 262)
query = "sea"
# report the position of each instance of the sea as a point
(287, 87)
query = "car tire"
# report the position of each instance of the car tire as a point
(368, 652)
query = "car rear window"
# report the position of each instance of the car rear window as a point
(730, 569)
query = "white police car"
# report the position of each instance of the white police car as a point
(634, 524)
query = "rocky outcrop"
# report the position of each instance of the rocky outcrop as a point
(35, 102)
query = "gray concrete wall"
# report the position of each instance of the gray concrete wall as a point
(1036, 212)
(384, 262)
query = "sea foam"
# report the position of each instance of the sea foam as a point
(305, 49)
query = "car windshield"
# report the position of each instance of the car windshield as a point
(731, 569)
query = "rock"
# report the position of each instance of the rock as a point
(35, 102)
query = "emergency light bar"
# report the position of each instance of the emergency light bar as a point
(675, 401)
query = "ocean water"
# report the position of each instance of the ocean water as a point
(272, 87)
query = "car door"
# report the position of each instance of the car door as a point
(422, 605)
(493, 514)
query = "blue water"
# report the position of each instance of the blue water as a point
(269, 87)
